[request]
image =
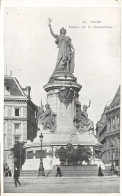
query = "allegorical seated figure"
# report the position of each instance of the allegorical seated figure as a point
(65, 59)
(47, 118)
(83, 123)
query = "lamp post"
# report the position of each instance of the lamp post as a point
(119, 154)
(41, 168)
(112, 165)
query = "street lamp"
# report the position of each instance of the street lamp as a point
(112, 165)
(41, 168)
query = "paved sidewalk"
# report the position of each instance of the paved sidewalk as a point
(104, 184)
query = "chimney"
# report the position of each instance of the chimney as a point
(28, 91)
(10, 73)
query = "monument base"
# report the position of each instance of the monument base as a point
(51, 143)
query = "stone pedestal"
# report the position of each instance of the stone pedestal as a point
(62, 90)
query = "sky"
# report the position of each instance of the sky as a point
(30, 51)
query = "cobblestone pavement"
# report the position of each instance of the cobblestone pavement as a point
(64, 185)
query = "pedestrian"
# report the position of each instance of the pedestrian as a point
(117, 169)
(9, 172)
(100, 173)
(6, 171)
(58, 172)
(16, 177)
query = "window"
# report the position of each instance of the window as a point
(114, 125)
(118, 120)
(109, 125)
(16, 126)
(9, 111)
(16, 139)
(4, 140)
(35, 114)
(109, 155)
(39, 155)
(30, 155)
(17, 112)
(113, 120)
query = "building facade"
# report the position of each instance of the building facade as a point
(108, 132)
(20, 122)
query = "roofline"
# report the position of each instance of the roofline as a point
(103, 127)
(112, 109)
(17, 83)
(115, 95)
(31, 102)
(19, 86)
(12, 97)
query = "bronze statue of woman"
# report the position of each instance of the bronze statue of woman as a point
(65, 59)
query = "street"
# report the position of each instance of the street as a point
(109, 184)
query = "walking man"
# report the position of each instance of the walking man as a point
(58, 172)
(100, 173)
(16, 177)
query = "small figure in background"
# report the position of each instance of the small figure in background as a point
(6, 171)
(16, 177)
(117, 170)
(100, 173)
(58, 172)
(9, 173)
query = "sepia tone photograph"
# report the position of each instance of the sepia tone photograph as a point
(61, 127)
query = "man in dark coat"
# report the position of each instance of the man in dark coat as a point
(100, 173)
(58, 172)
(16, 177)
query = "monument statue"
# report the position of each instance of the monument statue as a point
(66, 143)
(72, 156)
(65, 59)
(47, 118)
(83, 123)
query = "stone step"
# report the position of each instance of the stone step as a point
(64, 173)
(29, 173)
(84, 170)
(67, 171)
(75, 174)
(77, 171)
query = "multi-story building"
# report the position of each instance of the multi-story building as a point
(20, 122)
(108, 132)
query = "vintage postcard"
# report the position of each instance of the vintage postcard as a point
(61, 112)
